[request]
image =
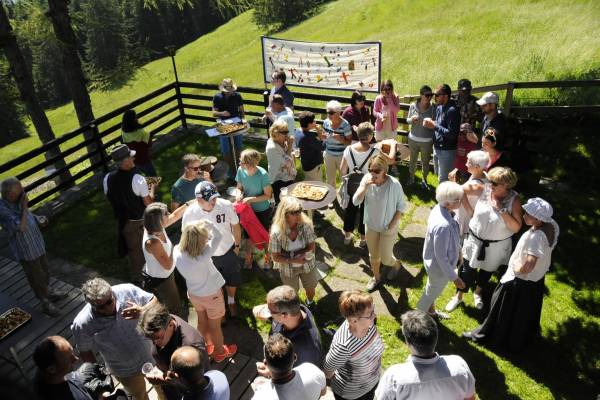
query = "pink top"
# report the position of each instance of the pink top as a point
(392, 108)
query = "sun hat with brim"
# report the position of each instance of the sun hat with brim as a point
(121, 152)
(227, 85)
(539, 208)
(488, 98)
(208, 160)
(206, 190)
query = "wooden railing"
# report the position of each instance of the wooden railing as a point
(180, 102)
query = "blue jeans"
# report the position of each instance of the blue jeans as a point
(443, 160)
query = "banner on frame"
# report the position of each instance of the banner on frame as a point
(339, 66)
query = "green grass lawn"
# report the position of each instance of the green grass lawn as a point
(423, 42)
(565, 363)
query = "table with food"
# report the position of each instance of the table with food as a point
(229, 128)
(311, 194)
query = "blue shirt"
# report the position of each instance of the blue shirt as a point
(333, 146)
(447, 126)
(217, 388)
(25, 245)
(442, 242)
(231, 103)
(254, 185)
(288, 97)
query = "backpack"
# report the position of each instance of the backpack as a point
(354, 177)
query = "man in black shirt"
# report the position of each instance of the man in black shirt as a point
(229, 104)
(129, 194)
(54, 358)
(168, 333)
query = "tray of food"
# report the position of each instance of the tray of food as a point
(225, 129)
(153, 180)
(11, 320)
(307, 191)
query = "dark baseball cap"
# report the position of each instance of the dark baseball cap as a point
(206, 190)
(464, 84)
(121, 152)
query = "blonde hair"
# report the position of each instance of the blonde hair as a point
(364, 130)
(287, 205)
(353, 303)
(379, 162)
(194, 238)
(250, 157)
(503, 176)
(278, 127)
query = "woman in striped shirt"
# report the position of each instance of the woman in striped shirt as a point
(353, 362)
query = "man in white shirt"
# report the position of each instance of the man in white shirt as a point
(425, 374)
(221, 213)
(278, 110)
(305, 382)
(129, 194)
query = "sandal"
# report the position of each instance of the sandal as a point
(229, 351)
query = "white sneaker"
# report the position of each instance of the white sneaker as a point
(478, 301)
(453, 303)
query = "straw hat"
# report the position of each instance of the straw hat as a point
(227, 85)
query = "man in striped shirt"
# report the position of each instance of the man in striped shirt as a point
(27, 243)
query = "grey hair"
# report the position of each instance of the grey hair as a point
(285, 299)
(333, 105)
(448, 192)
(8, 184)
(420, 332)
(153, 215)
(479, 158)
(154, 318)
(95, 289)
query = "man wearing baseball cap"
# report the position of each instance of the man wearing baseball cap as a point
(128, 194)
(209, 206)
(492, 118)
(470, 112)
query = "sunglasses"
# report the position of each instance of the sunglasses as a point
(496, 184)
(107, 303)
(387, 88)
(375, 171)
(428, 94)
(370, 316)
(331, 112)
(195, 168)
(284, 132)
(440, 94)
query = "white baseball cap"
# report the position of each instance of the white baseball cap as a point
(488, 98)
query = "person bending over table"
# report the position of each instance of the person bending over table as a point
(228, 104)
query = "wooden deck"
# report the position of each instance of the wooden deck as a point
(240, 371)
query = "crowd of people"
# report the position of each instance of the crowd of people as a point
(471, 234)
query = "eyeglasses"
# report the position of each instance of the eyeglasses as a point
(107, 303)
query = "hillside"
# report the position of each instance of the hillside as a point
(423, 42)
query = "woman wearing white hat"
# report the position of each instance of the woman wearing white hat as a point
(514, 316)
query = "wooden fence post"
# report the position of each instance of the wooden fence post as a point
(266, 94)
(99, 146)
(180, 104)
(510, 87)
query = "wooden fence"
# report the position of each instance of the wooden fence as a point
(180, 102)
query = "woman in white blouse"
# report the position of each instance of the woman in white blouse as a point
(514, 317)
(281, 165)
(193, 260)
(384, 204)
(158, 252)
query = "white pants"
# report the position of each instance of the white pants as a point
(436, 282)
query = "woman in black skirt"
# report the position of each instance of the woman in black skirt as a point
(514, 316)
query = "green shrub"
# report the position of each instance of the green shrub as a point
(275, 15)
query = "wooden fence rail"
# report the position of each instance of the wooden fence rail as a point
(179, 102)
